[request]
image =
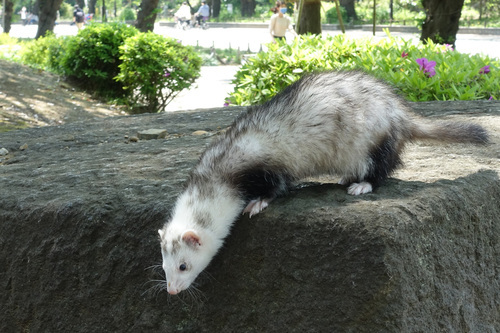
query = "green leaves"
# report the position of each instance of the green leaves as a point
(116, 61)
(92, 57)
(154, 69)
(392, 59)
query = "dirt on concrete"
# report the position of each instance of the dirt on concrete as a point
(32, 98)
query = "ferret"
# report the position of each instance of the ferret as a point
(342, 123)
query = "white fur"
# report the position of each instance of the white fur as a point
(359, 188)
(221, 208)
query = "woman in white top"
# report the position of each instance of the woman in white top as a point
(280, 23)
(184, 13)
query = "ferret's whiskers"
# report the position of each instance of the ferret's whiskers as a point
(158, 287)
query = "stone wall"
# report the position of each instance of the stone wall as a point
(80, 205)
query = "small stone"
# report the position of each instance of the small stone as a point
(133, 139)
(199, 133)
(69, 137)
(3, 151)
(152, 134)
(24, 147)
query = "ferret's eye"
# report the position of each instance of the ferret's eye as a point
(183, 267)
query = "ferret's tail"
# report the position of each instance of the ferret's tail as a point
(448, 131)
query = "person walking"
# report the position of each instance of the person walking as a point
(78, 17)
(280, 23)
(24, 15)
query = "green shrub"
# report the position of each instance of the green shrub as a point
(93, 57)
(154, 69)
(393, 60)
(332, 16)
(127, 14)
(66, 11)
(9, 47)
(226, 16)
(45, 52)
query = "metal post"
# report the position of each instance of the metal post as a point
(374, 15)
(339, 16)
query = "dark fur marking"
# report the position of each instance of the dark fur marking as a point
(261, 182)
(202, 220)
(384, 160)
(176, 245)
(199, 183)
(473, 133)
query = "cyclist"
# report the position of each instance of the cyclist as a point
(203, 13)
(183, 14)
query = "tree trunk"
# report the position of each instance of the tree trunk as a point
(349, 8)
(47, 15)
(441, 22)
(215, 8)
(35, 8)
(310, 18)
(146, 15)
(80, 3)
(104, 15)
(91, 5)
(247, 8)
(9, 8)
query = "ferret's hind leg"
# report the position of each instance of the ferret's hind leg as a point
(354, 185)
(344, 181)
(383, 160)
(256, 206)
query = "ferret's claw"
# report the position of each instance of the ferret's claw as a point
(255, 206)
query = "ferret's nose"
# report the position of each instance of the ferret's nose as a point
(171, 290)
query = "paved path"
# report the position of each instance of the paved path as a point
(209, 91)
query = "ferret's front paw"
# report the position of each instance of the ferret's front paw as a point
(255, 207)
(359, 188)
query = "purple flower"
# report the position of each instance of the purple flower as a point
(490, 99)
(449, 47)
(227, 102)
(167, 74)
(427, 66)
(484, 70)
(404, 54)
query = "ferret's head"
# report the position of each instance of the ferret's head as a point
(186, 253)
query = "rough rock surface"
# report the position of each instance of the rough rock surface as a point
(80, 205)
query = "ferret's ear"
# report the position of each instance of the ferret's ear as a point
(191, 238)
(161, 233)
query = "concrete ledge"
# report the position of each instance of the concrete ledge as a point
(80, 205)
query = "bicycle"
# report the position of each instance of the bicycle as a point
(203, 25)
(182, 24)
